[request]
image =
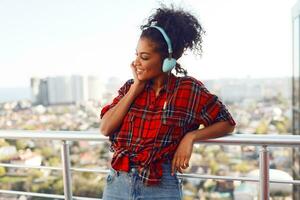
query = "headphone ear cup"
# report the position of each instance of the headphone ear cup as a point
(168, 64)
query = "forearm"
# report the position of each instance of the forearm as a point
(114, 117)
(215, 130)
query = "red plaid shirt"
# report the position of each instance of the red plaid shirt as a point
(154, 126)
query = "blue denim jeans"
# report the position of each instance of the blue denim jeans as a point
(128, 186)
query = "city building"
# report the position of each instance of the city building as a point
(95, 88)
(39, 91)
(238, 90)
(65, 89)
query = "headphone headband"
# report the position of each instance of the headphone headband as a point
(167, 39)
(168, 63)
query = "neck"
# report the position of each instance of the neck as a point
(159, 82)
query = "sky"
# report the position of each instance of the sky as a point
(244, 38)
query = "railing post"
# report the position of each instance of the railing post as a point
(264, 173)
(65, 159)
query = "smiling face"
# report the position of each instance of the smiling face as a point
(148, 61)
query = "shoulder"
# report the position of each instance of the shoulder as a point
(190, 82)
(192, 86)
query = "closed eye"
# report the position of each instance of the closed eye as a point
(143, 56)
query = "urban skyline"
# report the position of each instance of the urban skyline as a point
(229, 89)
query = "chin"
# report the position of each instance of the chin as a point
(142, 78)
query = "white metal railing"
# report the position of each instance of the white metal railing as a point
(238, 139)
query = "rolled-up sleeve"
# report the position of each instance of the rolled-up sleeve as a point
(121, 92)
(211, 109)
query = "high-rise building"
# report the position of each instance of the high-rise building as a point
(79, 88)
(39, 91)
(35, 89)
(60, 90)
(296, 94)
(95, 88)
(43, 93)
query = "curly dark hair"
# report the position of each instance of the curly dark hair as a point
(183, 29)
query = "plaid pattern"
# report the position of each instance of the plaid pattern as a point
(154, 126)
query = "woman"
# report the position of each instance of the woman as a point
(154, 121)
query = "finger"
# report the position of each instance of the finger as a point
(185, 163)
(179, 170)
(178, 163)
(184, 166)
(173, 166)
(133, 63)
(181, 164)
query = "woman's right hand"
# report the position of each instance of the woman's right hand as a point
(113, 118)
(137, 85)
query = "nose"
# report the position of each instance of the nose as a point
(136, 61)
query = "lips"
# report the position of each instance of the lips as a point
(139, 71)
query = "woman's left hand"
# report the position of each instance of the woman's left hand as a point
(183, 153)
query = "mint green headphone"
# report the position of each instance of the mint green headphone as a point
(168, 63)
